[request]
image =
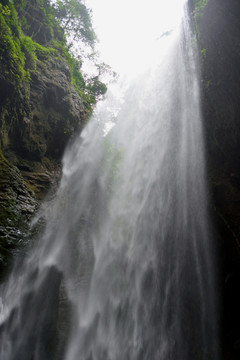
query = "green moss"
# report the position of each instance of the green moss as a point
(77, 79)
(199, 8)
(28, 48)
(44, 53)
(204, 52)
(11, 55)
(34, 52)
(20, 54)
(49, 19)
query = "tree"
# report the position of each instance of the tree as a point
(75, 19)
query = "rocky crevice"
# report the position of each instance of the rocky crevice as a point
(17, 206)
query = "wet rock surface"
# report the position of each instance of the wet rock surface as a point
(28, 335)
(17, 206)
(35, 125)
(56, 113)
(219, 31)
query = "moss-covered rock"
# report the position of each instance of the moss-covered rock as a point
(44, 101)
(56, 113)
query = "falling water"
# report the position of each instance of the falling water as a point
(123, 268)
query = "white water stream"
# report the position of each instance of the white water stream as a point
(123, 269)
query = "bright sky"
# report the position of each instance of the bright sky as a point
(129, 30)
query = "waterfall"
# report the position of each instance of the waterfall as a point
(124, 266)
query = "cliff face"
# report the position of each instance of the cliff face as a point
(36, 130)
(55, 112)
(40, 110)
(17, 206)
(218, 36)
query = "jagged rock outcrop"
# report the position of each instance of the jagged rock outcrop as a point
(17, 206)
(54, 113)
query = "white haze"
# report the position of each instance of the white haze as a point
(131, 32)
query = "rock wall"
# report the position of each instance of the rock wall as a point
(38, 116)
(218, 28)
(55, 112)
(17, 206)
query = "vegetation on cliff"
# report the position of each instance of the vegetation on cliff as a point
(33, 32)
(198, 12)
(44, 100)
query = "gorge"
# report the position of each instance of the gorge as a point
(137, 256)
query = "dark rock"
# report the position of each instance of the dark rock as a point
(219, 31)
(56, 113)
(37, 26)
(31, 327)
(17, 206)
(37, 119)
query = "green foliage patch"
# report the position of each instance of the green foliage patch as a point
(20, 52)
(90, 92)
(199, 8)
(11, 55)
(75, 19)
(34, 52)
